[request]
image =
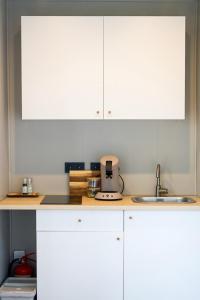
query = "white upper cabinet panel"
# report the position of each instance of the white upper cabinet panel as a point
(144, 67)
(94, 67)
(62, 67)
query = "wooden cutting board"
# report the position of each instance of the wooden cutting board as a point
(78, 181)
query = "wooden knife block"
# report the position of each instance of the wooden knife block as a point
(78, 181)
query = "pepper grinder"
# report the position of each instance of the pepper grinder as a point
(25, 186)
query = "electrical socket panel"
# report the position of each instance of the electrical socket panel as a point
(74, 166)
(18, 253)
(95, 166)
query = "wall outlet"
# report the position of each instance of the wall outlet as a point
(18, 254)
(95, 166)
(76, 166)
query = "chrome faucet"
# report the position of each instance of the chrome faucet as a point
(159, 189)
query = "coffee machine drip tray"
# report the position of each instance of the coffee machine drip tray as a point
(108, 196)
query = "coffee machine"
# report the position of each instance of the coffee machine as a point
(110, 187)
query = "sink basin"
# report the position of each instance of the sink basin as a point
(163, 200)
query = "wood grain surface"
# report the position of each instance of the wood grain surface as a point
(78, 181)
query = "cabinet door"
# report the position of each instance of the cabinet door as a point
(80, 265)
(144, 67)
(62, 67)
(162, 255)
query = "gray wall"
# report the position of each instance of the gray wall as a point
(4, 244)
(23, 233)
(198, 101)
(39, 148)
(3, 105)
(4, 216)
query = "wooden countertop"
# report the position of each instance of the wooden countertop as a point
(92, 204)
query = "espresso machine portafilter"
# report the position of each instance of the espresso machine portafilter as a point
(110, 186)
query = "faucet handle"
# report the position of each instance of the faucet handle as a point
(163, 190)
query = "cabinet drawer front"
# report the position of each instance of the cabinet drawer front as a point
(58, 220)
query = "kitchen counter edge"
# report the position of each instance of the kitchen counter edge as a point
(92, 204)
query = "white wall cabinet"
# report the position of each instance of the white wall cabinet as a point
(62, 67)
(81, 260)
(144, 67)
(103, 67)
(162, 255)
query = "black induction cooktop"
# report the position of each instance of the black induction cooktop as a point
(62, 200)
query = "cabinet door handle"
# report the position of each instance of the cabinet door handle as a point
(130, 218)
(79, 220)
(118, 238)
(109, 112)
(98, 112)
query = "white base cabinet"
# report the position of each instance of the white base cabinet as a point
(162, 255)
(83, 255)
(76, 264)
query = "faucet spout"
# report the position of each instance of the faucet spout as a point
(159, 189)
(158, 171)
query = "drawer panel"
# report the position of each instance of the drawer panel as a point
(62, 220)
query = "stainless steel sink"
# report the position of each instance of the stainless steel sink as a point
(163, 200)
